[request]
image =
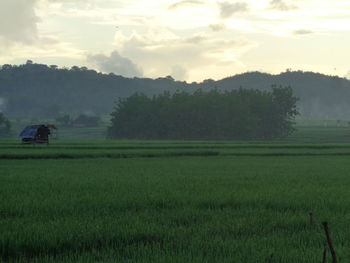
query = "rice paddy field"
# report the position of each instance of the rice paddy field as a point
(175, 201)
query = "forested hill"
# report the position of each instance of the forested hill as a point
(37, 90)
(321, 96)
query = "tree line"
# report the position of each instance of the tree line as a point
(234, 114)
(34, 90)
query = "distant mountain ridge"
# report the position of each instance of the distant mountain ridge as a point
(36, 90)
(321, 96)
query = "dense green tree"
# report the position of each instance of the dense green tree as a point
(235, 114)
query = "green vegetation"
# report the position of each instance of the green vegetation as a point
(36, 90)
(237, 114)
(321, 131)
(172, 201)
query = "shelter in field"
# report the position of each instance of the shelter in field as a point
(36, 133)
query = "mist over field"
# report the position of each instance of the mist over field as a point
(2, 104)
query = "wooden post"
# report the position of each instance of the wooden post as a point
(329, 241)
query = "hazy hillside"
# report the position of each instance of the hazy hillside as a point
(320, 96)
(45, 91)
(36, 90)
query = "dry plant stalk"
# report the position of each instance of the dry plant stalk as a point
(329, 241)
(324, 256)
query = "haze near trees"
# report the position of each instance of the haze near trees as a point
(5, 125)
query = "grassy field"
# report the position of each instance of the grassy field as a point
(174, 201)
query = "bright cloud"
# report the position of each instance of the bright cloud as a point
(162, 53)
(115, 64)
(188, 39)
(21, 27)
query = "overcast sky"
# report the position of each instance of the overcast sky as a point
(190, 40)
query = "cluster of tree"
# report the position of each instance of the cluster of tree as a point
(5, 126)
(40, 91)
(235, 114)
(83, 120)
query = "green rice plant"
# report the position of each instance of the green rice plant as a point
(173, 209)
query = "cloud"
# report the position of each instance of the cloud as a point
(18, 21)
(302, 32)
(188, 57)
(22, 38)
(217, 27)
(347, 75)
(196, 39)
(228, 9)
(47, 48)
(115, 63)
(185, 3)
(179, 72)
(280, 5)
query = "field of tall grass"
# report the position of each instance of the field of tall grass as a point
(129, 201)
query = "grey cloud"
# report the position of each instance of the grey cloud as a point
(159, 52)
(281, 5)
(195, 39)
(158, 55)
(217, 27)
(228, 9)
(116, 64)
(302, 32)
(184, 3)
(18, 21)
